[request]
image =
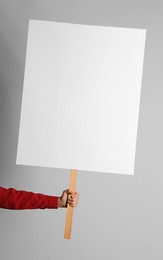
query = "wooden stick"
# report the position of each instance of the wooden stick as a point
(69, 213)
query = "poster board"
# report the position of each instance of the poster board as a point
(81, 96)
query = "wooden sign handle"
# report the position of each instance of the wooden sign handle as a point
(69, 213)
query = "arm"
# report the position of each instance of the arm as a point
(20, 199)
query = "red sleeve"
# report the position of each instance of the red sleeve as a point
(19, 199)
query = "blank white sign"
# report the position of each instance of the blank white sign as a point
(81, 97)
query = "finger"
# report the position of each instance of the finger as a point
(73, 204)
(70, 193)
(74, 195)
(72, 200)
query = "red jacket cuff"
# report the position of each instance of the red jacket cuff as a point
(52, 202)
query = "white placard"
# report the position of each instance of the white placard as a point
(81, 97)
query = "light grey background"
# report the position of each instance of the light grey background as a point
(108, 223)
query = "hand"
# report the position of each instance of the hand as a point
(71, 198)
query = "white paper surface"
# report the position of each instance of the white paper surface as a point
(81, 96)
